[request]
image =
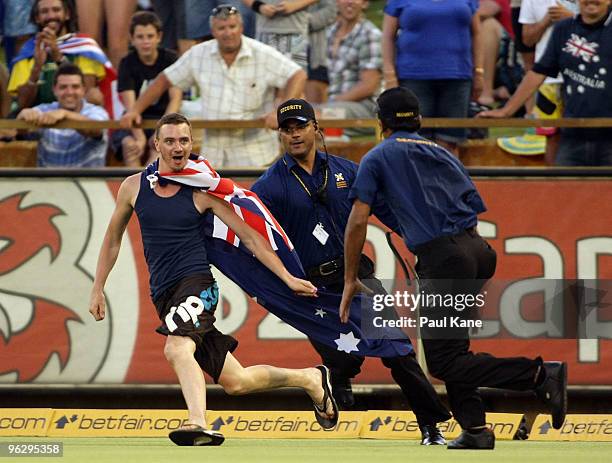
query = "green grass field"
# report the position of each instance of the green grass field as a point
(131, 450)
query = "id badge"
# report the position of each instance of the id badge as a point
(320, 234)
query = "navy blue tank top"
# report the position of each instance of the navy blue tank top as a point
(172, 236)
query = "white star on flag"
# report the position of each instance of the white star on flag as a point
(320, 312)
(347, 342)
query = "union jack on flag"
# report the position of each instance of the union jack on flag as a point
(225, 252)
(580, 47)
(200, 174)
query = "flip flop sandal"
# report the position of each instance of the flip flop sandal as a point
(324, 422)
(196, 436)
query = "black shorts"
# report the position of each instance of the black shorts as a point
(517, 27)
(187, 309)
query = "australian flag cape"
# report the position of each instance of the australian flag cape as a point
(80, 45)
(318, 317)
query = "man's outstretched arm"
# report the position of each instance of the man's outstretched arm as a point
(112, 243)
(260, 248)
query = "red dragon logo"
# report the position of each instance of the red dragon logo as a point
(24, 232)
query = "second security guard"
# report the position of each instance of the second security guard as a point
(307, 191)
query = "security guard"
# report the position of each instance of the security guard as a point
(307, 192)
(436, 204)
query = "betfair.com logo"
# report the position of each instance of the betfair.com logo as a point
(282, 424)
(23, 423)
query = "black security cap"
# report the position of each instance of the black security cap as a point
(397, 106)
(297, 109)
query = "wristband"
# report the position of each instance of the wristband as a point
(479, 70)
(256, 6)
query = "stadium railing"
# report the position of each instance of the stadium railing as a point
(478, 152)
(337, 123)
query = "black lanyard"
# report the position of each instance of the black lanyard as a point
(320, 191)
(320, 197)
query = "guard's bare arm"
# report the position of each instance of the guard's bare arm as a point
(112, 243)
(354, 238)
(260, 248)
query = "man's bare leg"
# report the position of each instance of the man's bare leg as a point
(179, 351)
(237, 380)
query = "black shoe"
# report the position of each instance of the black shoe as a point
(553, 391)
(343, 393)
(431, 435)
(483, 440)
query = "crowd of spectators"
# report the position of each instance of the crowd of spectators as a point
(237, 59)
(579, 49)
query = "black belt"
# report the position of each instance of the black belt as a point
(326, 268)
(421, 248)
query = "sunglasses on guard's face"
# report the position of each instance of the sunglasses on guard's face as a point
(224, 11)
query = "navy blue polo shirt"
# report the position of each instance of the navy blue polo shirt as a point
(427, 188)
(298, 213)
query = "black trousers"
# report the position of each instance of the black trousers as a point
(405, 370)
(468, 258)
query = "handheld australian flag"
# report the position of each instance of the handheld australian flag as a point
(317, 318)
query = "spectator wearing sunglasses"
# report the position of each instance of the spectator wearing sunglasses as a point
(238, 78)
(197, 25)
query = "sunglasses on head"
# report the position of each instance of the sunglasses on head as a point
(223, 11)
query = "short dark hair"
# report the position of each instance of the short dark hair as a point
(68, 5)
(145, 18)
(171, 119)
(412, 126)
(68, 69)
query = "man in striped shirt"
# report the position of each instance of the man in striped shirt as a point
(68, 147)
